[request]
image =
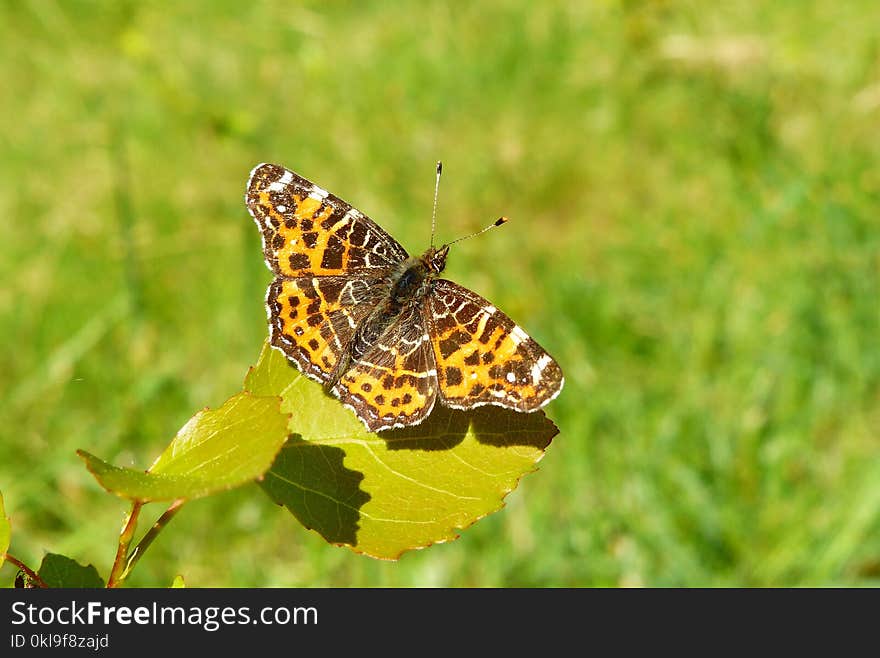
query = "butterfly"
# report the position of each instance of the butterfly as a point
(377, 327)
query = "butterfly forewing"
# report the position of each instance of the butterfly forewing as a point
(308, 231)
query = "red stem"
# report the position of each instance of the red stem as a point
(30, 572)
(117, 573)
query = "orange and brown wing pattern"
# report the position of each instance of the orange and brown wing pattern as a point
(395, 383)
(483, 357)
(307, 231)
(313, 319)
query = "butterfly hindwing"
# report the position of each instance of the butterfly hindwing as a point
(484, 357)
(312, 319)
(394, 384)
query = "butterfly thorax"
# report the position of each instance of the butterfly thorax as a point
(412, 281)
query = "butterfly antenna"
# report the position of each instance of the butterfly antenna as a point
(436, 190)
(497, 222)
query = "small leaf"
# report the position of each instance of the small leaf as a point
(178, 583)
(5, 532)
(216, 450)
(60, 571)
(382, 494)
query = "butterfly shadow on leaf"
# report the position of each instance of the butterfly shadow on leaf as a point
(491, 425)
(313, 483)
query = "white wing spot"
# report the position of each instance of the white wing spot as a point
(511, 377)
(518, 335)
(318, 193)
(539, 366)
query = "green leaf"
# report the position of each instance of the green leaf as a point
(216, 450)
(5, 532)
(382, 494)
(60, 571)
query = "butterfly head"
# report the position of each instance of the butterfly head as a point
(435, 259)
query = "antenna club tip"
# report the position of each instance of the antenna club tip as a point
(439, 166)
(501, 220)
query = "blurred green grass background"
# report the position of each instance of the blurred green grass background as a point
(695, 196)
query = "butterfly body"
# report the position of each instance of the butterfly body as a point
(414, 281)
(377, 327)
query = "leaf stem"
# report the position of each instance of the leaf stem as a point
(30, 572)
(117, 572)
(151, 535)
